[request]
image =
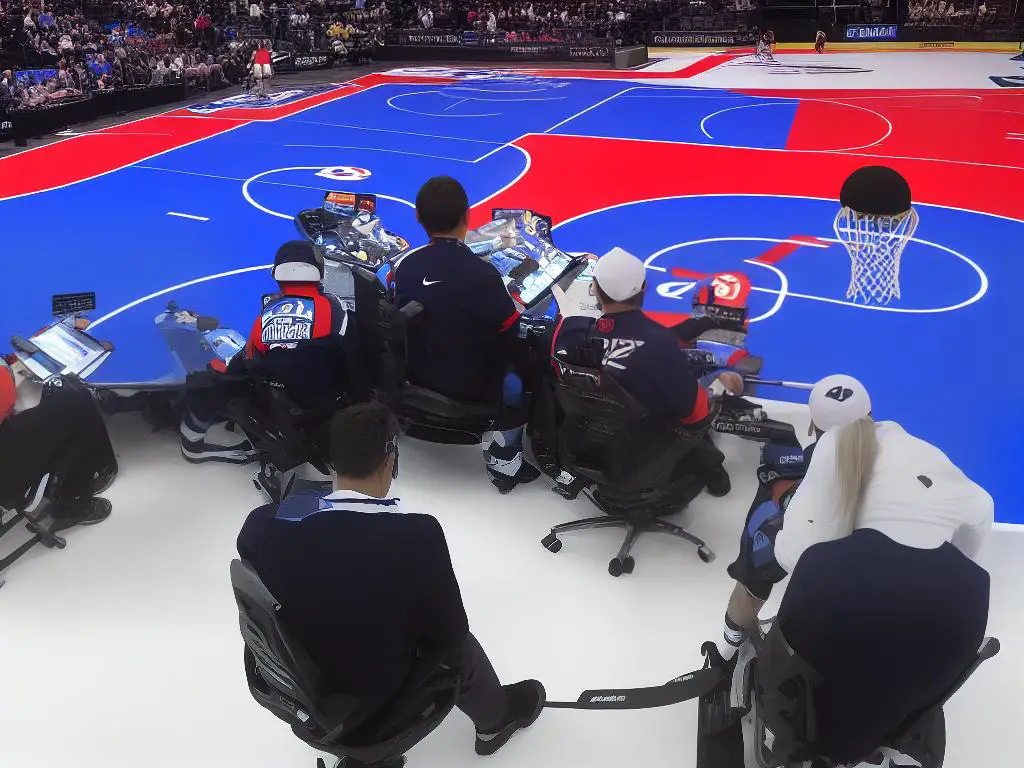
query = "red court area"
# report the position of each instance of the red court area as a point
(970, 126)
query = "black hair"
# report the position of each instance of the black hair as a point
(636, 300)
(362, 438)
(441, 204)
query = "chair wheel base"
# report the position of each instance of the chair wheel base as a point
(705, 554)
(551, 543)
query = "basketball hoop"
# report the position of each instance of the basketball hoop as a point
(875, 224)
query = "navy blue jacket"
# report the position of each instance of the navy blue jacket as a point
(364, 587)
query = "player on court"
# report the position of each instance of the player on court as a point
(862, 475)
(261, 68)
(819, 42)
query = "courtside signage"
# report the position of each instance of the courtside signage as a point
(872, 32)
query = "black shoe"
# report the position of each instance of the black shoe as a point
(525, 703)
(715, 713)
(526, 473)
(718, 483)
(103, 479)
(95, 510)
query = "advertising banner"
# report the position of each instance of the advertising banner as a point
(695, 39)
(870, 32)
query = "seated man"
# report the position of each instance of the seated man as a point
(370, 592)
(470, 337)
(862, 474)
(303, 341)
(65, 436)
(643, 356)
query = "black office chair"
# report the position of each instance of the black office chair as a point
(776, 687)
(633, 457)
(423, 413)
(292, 444)
(29, 508)
(284, 680)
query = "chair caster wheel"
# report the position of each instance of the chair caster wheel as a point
(705, 554)
(551, 543)
(616, 568)
(628, 565)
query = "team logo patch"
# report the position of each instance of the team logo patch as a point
(287, 322)
(842, 394)
(605, 325)
(727, 287)
(344, 173)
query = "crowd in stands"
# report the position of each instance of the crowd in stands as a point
(974, 13)
(530, 20)
(72, 48)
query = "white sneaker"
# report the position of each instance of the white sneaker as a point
(219, 443)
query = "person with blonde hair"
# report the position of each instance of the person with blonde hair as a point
(862, 474)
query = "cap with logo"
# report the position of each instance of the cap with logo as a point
(298, 261)
(838, 400)
(620, 274)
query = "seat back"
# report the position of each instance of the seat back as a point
(784, 686)
(609, 438)
(284, 680)
(281, 676)
(282, 432)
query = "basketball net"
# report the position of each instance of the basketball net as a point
(875, 244)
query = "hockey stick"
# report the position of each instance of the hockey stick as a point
(689, 686)
(776, 383)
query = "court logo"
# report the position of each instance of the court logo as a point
(344, 173)
(841, 394)
(727, 287)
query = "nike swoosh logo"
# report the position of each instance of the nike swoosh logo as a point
(430, 282)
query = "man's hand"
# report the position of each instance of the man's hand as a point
(576, 302)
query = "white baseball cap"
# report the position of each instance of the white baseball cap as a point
(620, 274)
(838, 400)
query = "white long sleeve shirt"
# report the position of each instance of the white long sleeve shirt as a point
(915, 495)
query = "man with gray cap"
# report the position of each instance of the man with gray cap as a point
(643, 356)
(863, 475)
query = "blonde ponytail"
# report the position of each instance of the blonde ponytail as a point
(856, 450)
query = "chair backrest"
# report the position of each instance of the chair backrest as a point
(609, 437)
(281, 676)
(283, 679)
(784, 689)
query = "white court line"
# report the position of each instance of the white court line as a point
(785, 100)
(983, 278)
(188, 216)
(390, 103)
(526, 168)
(801, 151)
(179, 286)
(171, 149)
(592, 106)
(402, 133)
(783, 291)
(256, 178)
(455, 104)
(377, 149)
(230, 178)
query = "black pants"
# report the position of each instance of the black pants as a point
(889, 628)
(481, 697)
(207, 393)
(65, 436)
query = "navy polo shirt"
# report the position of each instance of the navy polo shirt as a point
(459, 349)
